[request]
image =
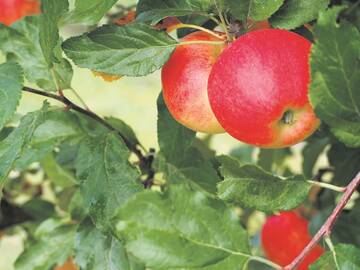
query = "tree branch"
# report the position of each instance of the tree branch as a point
(325, 230)
(145, 165)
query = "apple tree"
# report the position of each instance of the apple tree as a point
(282, 77)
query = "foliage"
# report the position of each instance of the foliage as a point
(119, 206)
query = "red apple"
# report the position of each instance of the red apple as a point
(13, 10)
(184, 81)
(283, 238)
(258, 89)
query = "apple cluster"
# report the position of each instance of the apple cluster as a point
(255, 88)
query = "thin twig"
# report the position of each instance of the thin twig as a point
(144, 164)
(325, 230)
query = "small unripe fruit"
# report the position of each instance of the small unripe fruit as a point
(13, 10)
(184, 80)
(283, 238)
(258, 89)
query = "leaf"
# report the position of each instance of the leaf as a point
(257, 10)
(39, 209)
(334, 91)
(198, 171)
(346, 163)
(88, 11)
(52, 10)
(166, 230)
(52, 247)
(251, 187)
(311, 153)
(124, 128)
(244, 153)
(13, 146)
(107, 179)
(58, 126)
(295, 13)
(271, 159)
(156, 10)
(96, 251)
(134, 50)
(57, 175)
(11, 81)
(20, 43)
(347, 257)
(174, 139)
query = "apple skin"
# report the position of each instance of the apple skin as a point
(261, 77)
(184, 80)
(284, 236)
(13, 10)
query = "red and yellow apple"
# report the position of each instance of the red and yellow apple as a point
(13, 10)
(184, 80)
(258, 89)
(284, 236)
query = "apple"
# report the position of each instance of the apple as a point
(284, 236)
(13, 10)
(184, 81)
(258, 89)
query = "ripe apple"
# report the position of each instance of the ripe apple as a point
(184, 80)
(258, 89)
(13, 10)
(283, 238)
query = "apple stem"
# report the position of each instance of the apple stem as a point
(325, 230)
(193, 26)
(327, 185)
(201, 42)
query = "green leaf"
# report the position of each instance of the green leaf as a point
(346, 163)
(334, 91)
(53, 245)
(198, 171)
(134, 50)
(58, 126)
(347, 257)
(156, 10)
(88, 11)
(107, 179)
(251, 187)
(20, 43)
(271, 159)
(174, 139)
(52, 10)
(295, 13)
(39, 209)
(178, 224)
(257, 10)
(124, 128)
(14, 145)
(311, 152)
(11, 81)
(96, 251)
(57, 175)
(244, 153)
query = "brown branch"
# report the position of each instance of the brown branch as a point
(144, 164)
(325, 230)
